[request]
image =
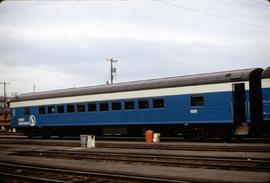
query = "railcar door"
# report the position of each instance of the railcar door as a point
(239, 109)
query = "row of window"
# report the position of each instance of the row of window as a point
(104, 106)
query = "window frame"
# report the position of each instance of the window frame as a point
(60, 106)
(129, 101)
(142, 107)
(195, 103)
(68, 108)
(81, 105)
(157, 106)
(101, 107)
(116, 105)
(49, 109)
(43, 111)
(26, 111)
(91, 104)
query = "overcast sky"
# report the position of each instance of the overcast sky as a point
(64, 44)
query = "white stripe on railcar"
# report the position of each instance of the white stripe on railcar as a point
(131, 94)
(266, 83)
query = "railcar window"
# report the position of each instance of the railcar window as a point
(158, 103)
(129, 105)
(51, 109)
(143, 104)
(60, 109)
(197, 101)
(41, 110)
(104, 106)
(26, 110)
(92, 107)
(116, 105)
(70, 108)
(80, 108)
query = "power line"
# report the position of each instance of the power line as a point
(252, 4)
(213, 15)
(261, 3)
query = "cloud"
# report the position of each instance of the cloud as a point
(24, 77)
(60, 45)
(75, 33)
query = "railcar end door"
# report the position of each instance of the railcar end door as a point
(239, 109)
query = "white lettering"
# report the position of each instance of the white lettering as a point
(21, 120)
(24, 123)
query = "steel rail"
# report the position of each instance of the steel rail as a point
(161, 146)
(161, 160)
(24, 178)
(119, 178)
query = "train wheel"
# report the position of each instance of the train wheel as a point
(46, 136)
(29, 136)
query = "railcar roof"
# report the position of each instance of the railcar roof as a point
(188, 80)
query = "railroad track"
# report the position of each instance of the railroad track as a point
(181, 139)
(265, 139)
(187, 147)
(242, 164)
(140, 145)
(26, 173)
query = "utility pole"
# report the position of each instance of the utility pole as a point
(34, 88)
(113, 69)
(5, 101)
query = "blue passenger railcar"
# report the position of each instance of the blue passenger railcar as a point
(213, 104)
(266, 99)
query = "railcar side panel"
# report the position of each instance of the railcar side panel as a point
(266, 99)
(217, 108)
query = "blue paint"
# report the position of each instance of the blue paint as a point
(177, 110)
(266, 103)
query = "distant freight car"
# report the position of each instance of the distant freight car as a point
(220, 104)
(4, 114)
(4, 120)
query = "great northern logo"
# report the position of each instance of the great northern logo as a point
(32, 120)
